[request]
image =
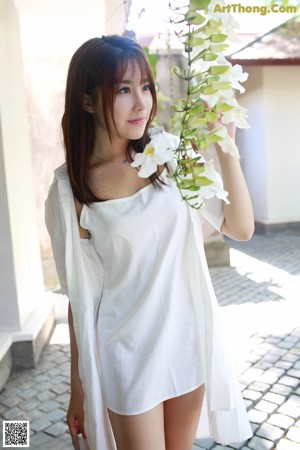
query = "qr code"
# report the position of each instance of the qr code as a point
(15, 433)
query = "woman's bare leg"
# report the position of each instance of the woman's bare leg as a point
(181, 417)
(139, 432)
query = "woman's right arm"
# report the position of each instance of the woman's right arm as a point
(75, 414)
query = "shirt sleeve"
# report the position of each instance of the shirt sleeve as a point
(212, 211)
(55, 227)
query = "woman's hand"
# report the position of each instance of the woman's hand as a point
(75, 415)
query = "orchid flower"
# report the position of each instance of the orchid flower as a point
(157, 152)
(226, 143)
(238, 114)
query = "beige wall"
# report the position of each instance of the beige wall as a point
(271, 148)
(282, 98)
(21, 276)
(51, 31)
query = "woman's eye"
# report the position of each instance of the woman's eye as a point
(124, 90)
(146, 87)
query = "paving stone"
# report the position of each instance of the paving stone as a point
(280, 420)
(63, 398)
(59, 388)
(258, 443)
(271, 375)
(294, 373)
(29, 393)
(294, 434)
(257, 416)
(29, 405)
(252, 395)
(49, 406)
(250, 375)
(37, 440)
(281, 389)
(220, 447)
(290, 357)
(289, 381)
(266, 406)
(15, 414)
(274, 398)
(39, 425)
(57, 429)
(286, 444)
(207, 444)
(297, 365)
(261, 387)
(11, 401)
(44, 386)
(237, 445)
(291, 407)
(284, 364)
(286, 344)
(45, 396)
(56, 415)
(270, 432)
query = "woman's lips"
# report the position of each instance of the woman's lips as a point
(138, 121)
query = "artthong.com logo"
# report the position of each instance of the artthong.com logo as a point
(252, 9)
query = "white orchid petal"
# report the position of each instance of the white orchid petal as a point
(138, 160)
(148, 168)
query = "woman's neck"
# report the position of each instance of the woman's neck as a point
(110, 150)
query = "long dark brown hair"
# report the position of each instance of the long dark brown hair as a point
(95, 69)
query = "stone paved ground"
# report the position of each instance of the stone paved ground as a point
(259, 295)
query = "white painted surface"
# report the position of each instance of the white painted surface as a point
(271, 148)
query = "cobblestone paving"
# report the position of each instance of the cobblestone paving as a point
(259, 295)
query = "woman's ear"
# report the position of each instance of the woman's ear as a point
(88, 104)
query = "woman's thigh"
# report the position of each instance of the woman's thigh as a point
(139, 432)
(181, 418)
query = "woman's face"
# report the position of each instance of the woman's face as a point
(132, 105)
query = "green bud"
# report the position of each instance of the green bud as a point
(218, 70)
(209, 56)
(218, 37)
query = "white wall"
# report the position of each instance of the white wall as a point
(21, 282)
(282, 99)
(271, 148)
(253, 141)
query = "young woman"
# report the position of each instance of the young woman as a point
(146, 347)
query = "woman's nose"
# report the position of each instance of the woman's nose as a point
(140, 102)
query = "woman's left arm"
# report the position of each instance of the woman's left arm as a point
(238, 215)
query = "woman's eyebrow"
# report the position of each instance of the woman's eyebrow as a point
(145, 80)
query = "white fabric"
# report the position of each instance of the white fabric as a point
(81, 266)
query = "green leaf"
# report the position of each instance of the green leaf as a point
(202, 181)
(185, 184)
(213, 23)
(196, 41)
(218, 47)
(218, 37)
(208, 90)
(221, 85)
(194, 188)
(218, 70)
(209, 56)
(194, 18)
(222, 107)
(198, 4)
(197, 170)
(212, 138)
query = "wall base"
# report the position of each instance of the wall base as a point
(217, 253)
(22, 349)
(287, 227)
